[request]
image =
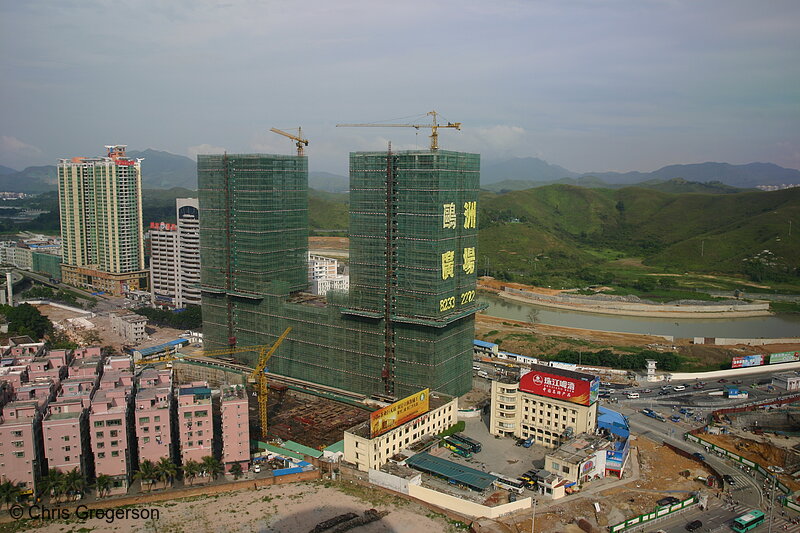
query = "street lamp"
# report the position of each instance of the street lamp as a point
(533, 514)
(772, 499)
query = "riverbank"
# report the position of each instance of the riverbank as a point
(561, 300)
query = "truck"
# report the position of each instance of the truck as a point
(528, 442)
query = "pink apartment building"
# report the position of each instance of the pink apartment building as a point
(108, 428)
(235, 428)
(18, 438)
(152, 416)
(64, 435)
(195, 427)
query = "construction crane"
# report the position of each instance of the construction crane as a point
(259, 376)
(434, 126)
(300, 141)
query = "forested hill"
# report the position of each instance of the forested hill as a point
(700, 232)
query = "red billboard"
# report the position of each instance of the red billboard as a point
(575, 390)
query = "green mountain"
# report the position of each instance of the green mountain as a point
(675, 185)
(7, 170)
(163, 170)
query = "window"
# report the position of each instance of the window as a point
(115, 453)
(144, 419)
(18, 444)
(158, 428)
(101, 455)
(157, 418)
(565, 469)
(201, 413)
(66, 438)
(99, 434)
(18, 454)
(187, 414)
(66, 458)
(16, 433)
(113, 433)
(115, 422)
(101, 444)
(66, 448)
(145, 440)
(556, 467)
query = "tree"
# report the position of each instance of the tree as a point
(9, 493)
(54, 483)
(74, 482)
(59, 340)
(236, 470)
(103, 484)
(25, 319)
(166, 471)
(190, 470)
(533, 317)
(212, 467)
(147, 473)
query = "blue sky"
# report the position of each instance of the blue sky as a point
(590, 85)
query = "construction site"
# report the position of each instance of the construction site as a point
(407, 322)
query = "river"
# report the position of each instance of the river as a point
(775, 326)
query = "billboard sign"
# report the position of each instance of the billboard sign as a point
(574, 390)
(399, 412)
(745, 361)
(784, 357)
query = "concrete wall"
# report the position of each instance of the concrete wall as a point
(755, 342)
(736, 371)
(465, 507)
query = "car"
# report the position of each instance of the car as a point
(646, 391)
(694, 525)
(647, 411)
(722, 380)
(663, 393)
(683, 410)
(632, 395)
(728, 479)
(669, 500)
(737, 381)
(699, 456)
(519, 442)
(675, 418)
(678, 388)
(257, 469)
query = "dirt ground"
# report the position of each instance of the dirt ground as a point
(759, 451)
(329, 243)
(659, 477)
(294, 508)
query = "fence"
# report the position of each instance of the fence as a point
(658, 514)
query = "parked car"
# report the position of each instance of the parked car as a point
(694, 525)
(699, 456)
(256, 469)
(646, 391)
(663, 393)
(728, 479)
(722, 380)
(675, 418)
(669, 500)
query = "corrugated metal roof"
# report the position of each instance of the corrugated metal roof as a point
(613, 421)
(162, 347)
(484, 344)
(299, 448)
(336, 447)
(452, 471)
(279, 451)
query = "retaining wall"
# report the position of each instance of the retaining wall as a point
(781, 367)
(465, 507)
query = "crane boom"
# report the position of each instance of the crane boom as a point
(434, 125)
(260, 377)
(299, 138)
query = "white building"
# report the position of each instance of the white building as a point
(371, 452)
(175, 258)
(788, 381)
(131, 327)
(323, 275)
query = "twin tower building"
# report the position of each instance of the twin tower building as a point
(407, 322)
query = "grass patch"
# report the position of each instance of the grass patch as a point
(792, 308)
(376, 498)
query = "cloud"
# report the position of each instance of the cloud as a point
(18, 154)
(204, 149)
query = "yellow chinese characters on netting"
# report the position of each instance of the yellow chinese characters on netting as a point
(450, 221)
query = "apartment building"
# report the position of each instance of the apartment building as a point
(235, 427)
(20, 435)
(65, 434)
(175, 257)
(100, 202)
(130, 327)
(109, 429)
(153, 415)
(195, 427)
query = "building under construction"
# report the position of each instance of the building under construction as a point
(408, 320)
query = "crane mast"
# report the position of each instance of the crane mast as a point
(301, 142)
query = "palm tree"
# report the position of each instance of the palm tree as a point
(190, 470)
(166, 471)
(9, 492)
(236, 470)
(147, 473)
(74, 482)
(103, 484)
(212, 466)
(55, 482)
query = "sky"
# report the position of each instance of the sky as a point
(591, 85)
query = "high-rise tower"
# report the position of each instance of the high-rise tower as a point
(100, 200)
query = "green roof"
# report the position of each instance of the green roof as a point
(464, 475)
(336, 447)
(278, 450)
(299, 448)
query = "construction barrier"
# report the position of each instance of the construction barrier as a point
(658, 514)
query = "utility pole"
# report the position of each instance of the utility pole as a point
(533, 514)
(772, 501)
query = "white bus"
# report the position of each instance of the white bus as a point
(511, 485)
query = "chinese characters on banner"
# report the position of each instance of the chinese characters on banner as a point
(450, 221)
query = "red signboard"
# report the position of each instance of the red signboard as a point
(125, 162)
(557, 387)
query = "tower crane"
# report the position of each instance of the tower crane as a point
(299, 138)
(257, 376)
(434, 126)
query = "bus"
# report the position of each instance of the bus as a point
(457, 448)
(511, 485)
(473, 445)
(748, 521)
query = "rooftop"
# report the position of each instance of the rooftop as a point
(463, 475)
(436, 400)
(563, 372)
(580, 448)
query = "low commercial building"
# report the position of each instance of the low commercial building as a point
(550, 405)
(788, 381)
(580, 459)
(396, 427)
(130, 327)
(485, 349)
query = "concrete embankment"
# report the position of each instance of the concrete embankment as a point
(573, 303)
